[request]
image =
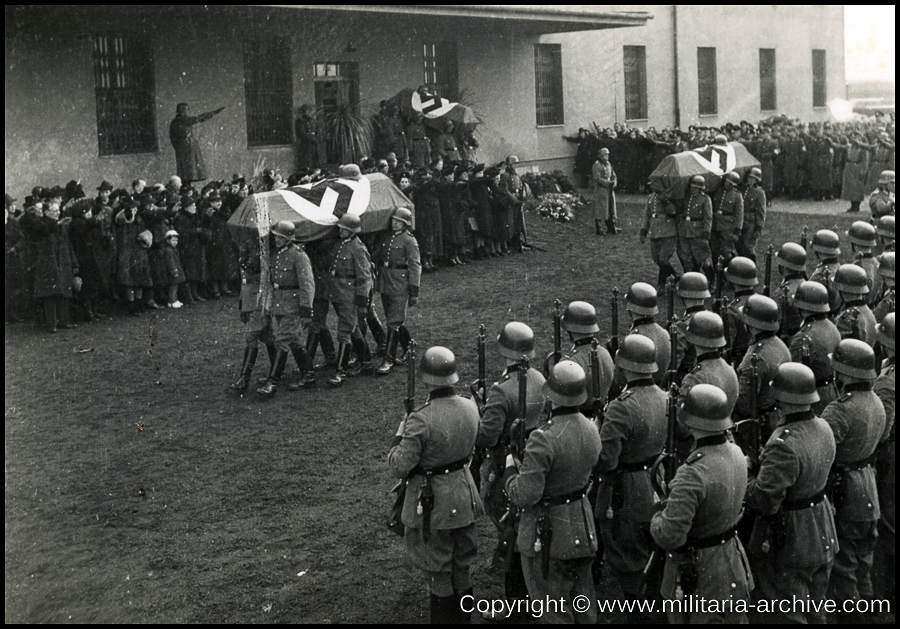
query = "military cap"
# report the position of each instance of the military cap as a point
(761, 312)
(755, 173)
(403, 215)
(171, 233)
(145, 238)
(516, 340)
(187, 201)
(791, 256)
(741, 272)
(580, 317)
(105, 185)
(706, 329)
(693, 285)
(214, 196)
(38, 191)
(886, 176)
(637, 353)
(827, 242)
(794, 383)
(886, 264)
(438, 367)
(706, 407)
(349, 171)
(567, 384)
(812, 297)
(885, 331)
(885, 227)
(697, 181)
(862, 233)
(852, 279)
(641, 298)
(350, 222)
(9, 200)
(285, 229)
(720, 139)
(490, 173)
(604, 151)
(478, 168)
(855, 359)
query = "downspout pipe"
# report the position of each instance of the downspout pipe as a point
(675, 59)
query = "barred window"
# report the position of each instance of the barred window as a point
(548, 86)
(635, 62)
(269, 92)
(767, 95)
(819, 82)
(124, 89)
(441, 69)
(706, 81)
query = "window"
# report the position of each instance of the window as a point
(706, 81)
(441, 69)
(767, 94)
(268, 92)
(123, 85)
(635, 62)
(548, 92)
(819, 84)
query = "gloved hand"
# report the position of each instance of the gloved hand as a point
(643, 236)
(245, 317)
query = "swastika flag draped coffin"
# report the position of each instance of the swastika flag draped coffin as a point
(315, 209)
(435, 109)
(673, 175)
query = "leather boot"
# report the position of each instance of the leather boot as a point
(404, 338)
(340, 370)
(270, 350)
(270, 388)
(464, 618)
(364, 354)
(306, 380)
(611, 229)
(388, 362)
(444, 609)
(242, 383)
(597, 227)
(326, 342)
(377, 329)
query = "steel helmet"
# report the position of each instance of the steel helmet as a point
(350, 222)
(637, 353)
(885, 331)
(755, 173)
(580, 317)
(285, 229)
(812, 297)
(567, 384)
(855, 359)
(791, 256)
(706, 329)
(516, 340)
(886, 176)
(641, 299)
(761, 312)
(693, 286)
(697, 181)
(795, 383)
(827, 242)
(403, 215)
(733, 178)
(438, 367)
(885, 227)
(886, 264)
(706, 407)
(852, 279)
(741, 272)
(862, 233)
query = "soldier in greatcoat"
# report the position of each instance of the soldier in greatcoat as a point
(816, 339)
(695, 228)
(885, 464)
(854, 319)
(641, 304)
(580, 321)
(856, 166)
(693, 290)
(706, 334)
(419, 143)
(604, 180)
(881, 201)
(827, 247)
(791, 261)
(887, 298)
(189, 162)
(660, 224)
(862, 244)
(741, 275)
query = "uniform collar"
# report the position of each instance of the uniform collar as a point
(713, 440)
(716, 353)
(441, 392)
(764, 334)
(565, 410)
(857, 386)
(744, 292)
(642, 321)
(585, 341)
(640, 382)
(694, 309)
(512, 368)
(817, 316)
(802, 416)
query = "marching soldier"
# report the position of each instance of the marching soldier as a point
(580, 321)
(350, 279)
(862, 241)
(557, 537)
(885, 472)
(696, 523)
(881, 202)
(398, 275)
(694, 230)
(641, 303)
(319, 334)
(855, 318)
(754, 214)
(791, 260)
(693, 289)
(431, 452)
(632, 436)
(857, 420)
(813, 344)
(728, 218)
(706, 334)
(741, 274)
(291, 311)
(827, 247)
(888, 298)
(793, 543)
(660, 224)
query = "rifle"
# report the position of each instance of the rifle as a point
(410, 401)
(767, 288)
(394, 523)
(555, 356)
(670, 290)
(478, 387)
(720, 307)
(613, 344)
(597, 403)
(782, 325)
(803, 236)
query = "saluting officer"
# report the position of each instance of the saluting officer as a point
(791, 261)
(580, 321)
(887, 299)
(641, 303)
(854, 319)
(694, 229)
(793, 544)
(728, 218)
(660, 224)
(696, 523)
(827, 247)
(813, 344)
(693, 289)
(885, 473)
(557, 537)
(857, 420)
(706, 334)
(398, 275)
(431, 451)
(293, 288)
(754, 214)
(741, 274)
(632, 437)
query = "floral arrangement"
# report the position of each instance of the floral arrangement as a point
(558, 206)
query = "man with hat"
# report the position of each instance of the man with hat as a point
(693, 290)
(728, 217)
(293, 289)
(854, 319)
(755, 205)
(431, 452)
(695, 524)
(660, 224)
(641, 304)
(604, 179)
(881, 201)
(188, 159)
(398, 273)
(557, 536)
(580, 321)
(857, 419)
(694, 229)
(827, 247)
(632, 436)
(792, 545)
(741, 275)
(500, 411)
(706, 335)
(350, 276)
(816, 340)
(885, 473)
(886, 299)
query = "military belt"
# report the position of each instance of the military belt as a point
(856, 465)
(338, 276)
(397, 266)
(638, 466)
(443, 469)
(806, 503)
(554, 501)
(707, 542)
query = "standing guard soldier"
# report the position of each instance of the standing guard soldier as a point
(794, 541)
(419, 143)
(817, 338)
(754, 214)
(693, 289)
(580, 321)
(696, 524)
(511, 189)
(641, 303)
(350, 278)
(557, 538)
(293, 288)
(881, 202)
(857, 420)
(397, 277)
(791, 260)
(660, 224)
(886, 232)
(706, 334)
(885, 472)
(888, 299)
(695, 228)
(862, 242)
(741, 274)
(728, 218)
(854, 319)
(431, 451)
(604, 179)
(827, 247)
(632, 436)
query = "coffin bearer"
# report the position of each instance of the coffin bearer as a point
(695, 228)
(660, 224)
(728, 218)
(754, 214)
